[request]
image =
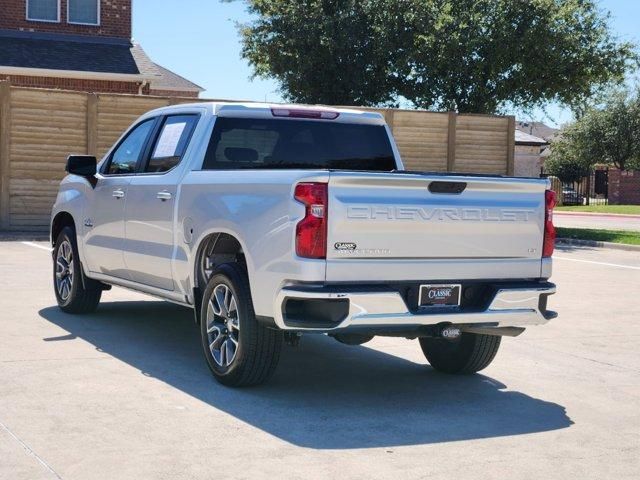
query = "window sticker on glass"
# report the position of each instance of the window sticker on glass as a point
(169, 140)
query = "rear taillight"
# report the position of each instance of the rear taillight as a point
(549, 229)
(311, 231)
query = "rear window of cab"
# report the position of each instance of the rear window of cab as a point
(245, 143)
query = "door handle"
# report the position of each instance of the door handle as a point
(164, 195)
(118, 193)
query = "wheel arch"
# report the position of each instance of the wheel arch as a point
(61, 220)
(216, 247)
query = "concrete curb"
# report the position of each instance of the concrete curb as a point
(593, 243)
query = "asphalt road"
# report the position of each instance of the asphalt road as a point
(125, 393)
(604, 222)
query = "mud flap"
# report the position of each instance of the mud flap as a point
(197, 304)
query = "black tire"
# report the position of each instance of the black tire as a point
(469, 353)
(74, 292)
(256, 348)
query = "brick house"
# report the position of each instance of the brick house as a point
(80, 45)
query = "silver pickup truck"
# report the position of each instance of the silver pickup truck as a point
(275, 221)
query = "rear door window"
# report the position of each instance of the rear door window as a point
(244, 143)
(171, 143)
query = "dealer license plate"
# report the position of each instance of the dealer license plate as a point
(440, 295)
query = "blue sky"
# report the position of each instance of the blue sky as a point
(199, 40)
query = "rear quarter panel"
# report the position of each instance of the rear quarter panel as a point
(258, 209)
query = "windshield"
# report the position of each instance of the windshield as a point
(245, 143)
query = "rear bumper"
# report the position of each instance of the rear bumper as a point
(332, 309)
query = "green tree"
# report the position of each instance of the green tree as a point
(465, 55)
(324, 51)
(607, 134)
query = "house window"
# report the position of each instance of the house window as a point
(84, 12)
(43, 10)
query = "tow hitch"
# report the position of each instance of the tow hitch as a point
(450, 332)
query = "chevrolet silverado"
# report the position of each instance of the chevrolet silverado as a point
(276, 221)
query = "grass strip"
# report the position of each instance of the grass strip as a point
(615, 236)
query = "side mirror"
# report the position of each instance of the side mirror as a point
(83, 165)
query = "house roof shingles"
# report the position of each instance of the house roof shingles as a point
(72, 53)
(169, 80)
(86, 54)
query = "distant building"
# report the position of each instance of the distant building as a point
(80, 45)
(528, 158)
(532, 146)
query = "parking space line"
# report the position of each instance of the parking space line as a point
(35, 245)
(29, 451)
(597, 263)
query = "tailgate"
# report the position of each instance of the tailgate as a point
(399, 226)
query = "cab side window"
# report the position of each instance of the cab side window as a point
(172, 143)
(125, 157)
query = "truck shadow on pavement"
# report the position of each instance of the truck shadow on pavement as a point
(324, 395)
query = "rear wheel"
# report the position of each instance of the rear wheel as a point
(73, 293)
(239, 350)
(469, 353)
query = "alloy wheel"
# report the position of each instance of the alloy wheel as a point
(64, 270)
(223, 325)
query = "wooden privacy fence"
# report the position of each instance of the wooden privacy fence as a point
(39, 128)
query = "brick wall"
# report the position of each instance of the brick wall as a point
(83, 85)
(624, 187)
(94, 86)
(115, 19)
(173, 93)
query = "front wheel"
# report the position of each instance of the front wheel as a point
(469, 353)
(239, 350)
(72, 294)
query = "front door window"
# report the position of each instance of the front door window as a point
(125, 157)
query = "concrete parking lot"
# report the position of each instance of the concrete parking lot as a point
(125, 393)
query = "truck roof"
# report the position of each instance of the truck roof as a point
(272, 110)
